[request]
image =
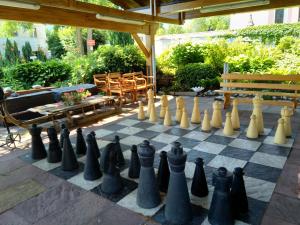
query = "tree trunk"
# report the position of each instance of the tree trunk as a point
(89, 37)
(79, 41)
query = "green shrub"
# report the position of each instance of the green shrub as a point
(55, 46)
(187, 53)
(240, 63)
(1, 73)
(27, 51)
(194, 75)
(11, 52)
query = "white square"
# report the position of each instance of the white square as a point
(227, 162)
(128, 122)
(197, 135)
(267, 131)
(44, 165)
(268, 160)
(165, 138)
(130, 130)
(158, 128)
(203, 201)
(169, 147)
(220, 133)
(270, 140)
(129, 202)
(259, 189)
(191, 127)
(132, 140)
(102, 133)
(127, 154)
(102, 143)
(210, 147)
(85, 184)
(245, 144)
(236, 222)
(189, 169)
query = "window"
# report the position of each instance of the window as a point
(279, 15)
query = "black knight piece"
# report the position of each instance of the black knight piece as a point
(148, 194)
(178, 209)
(135, 166)
(112, 181)
(91, 168)
(69, 160)
(220, 211)
(38, 150)
(96, 148)
(199, 185)
(120, 157)
(61, 138)
(80, 143)
(163, 174)
(54, 151)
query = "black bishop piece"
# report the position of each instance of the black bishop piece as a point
(80, 143)
(135, 166)
(54, 151)
(38, 150)
(199, 185)
(69, 160)
(163, 174)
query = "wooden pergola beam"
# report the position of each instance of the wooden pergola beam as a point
(141, 45)
(67, 17)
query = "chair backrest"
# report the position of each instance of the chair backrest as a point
(128, 76)
(114, 76)
(101, 77)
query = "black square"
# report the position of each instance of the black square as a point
(67, 174)
(260, 138)
(143, 125)
(219, 139)
(262, 172)
(237, 153)
(193, 154)
(129, 186)
(187, 142)
(114, 127)
(27, 158)
(158, 145)
(148, 134)
(274, 150)
(177, 132)
(209, 174)
(111, 137)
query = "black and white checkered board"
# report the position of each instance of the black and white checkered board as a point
(261, 159)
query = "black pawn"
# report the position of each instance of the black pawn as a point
(163, 174)
(135, 166)
(69, 160)
(61, 138)
(96, 148)
(80, 143)
(199, 185)
(178, 209)
(91, 167)
(120, 157)
(220, 211)
(54, 152)
(147, 194)
(38, 150)
(112, 181)
(238, 194)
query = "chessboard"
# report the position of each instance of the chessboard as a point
(261, 159)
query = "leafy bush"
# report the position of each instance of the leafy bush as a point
(27, 51)
(196, 74)
(187, 53)
(11, 52)
(55, 46)
(240, 63)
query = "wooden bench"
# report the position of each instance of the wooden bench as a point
(265, 85)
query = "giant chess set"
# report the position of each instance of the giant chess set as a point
(172, 169)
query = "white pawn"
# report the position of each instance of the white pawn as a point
(280, 137)
(184, 123)
(196, 118)
(168, 117)
(150, 95)
(235, 119)
(216, 120)
(153, 117)
(206, 127)
(179, 107)
(141, 114)
(286, 114)
(163, 105)
(252, 131)
(257, 111)
(228, 129)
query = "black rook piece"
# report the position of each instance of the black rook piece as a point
(199, 185)
(163, 174)
(38, 150)
(80, 143)
(54, 152)
(220, 211)
(120, 157)
(69, 160)
(135, 166)
(112, 181)
(91, 167)
(61, 138)
(148, 194)
(178, 209)
(97, 151)
(238, 194)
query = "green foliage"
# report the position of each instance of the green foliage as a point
(186, 53)
(120, 38)
(40, 55)
(7, 80)
(196, 74)
(27, 51)
(55, 45)
(12, 55)
(165, 64)
(98, 35)
(286, 43)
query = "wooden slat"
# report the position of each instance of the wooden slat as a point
(269, 77)
(263, 93)
(261, 86)
(266, 102)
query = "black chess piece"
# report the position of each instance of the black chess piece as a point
(112, 181)
(96, 148)
(178, 209)
(120, 156)
(61, 138)
(80, 143)
(163, 174)
(92, 167)
(38, 150)
(199, 185)
(54, 151)
(69, 160)
(238, 194)
(148, 194)
(135, 166)
(220, 211)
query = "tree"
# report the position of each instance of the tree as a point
(11, 52)
(27, 51)
(11, 28)
(54, 44)
(120, 38)
(16, 52)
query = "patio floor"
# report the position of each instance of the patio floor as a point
(33, 194)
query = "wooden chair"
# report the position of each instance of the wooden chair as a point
(148, 79)
(100, 80)
(120, 86)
